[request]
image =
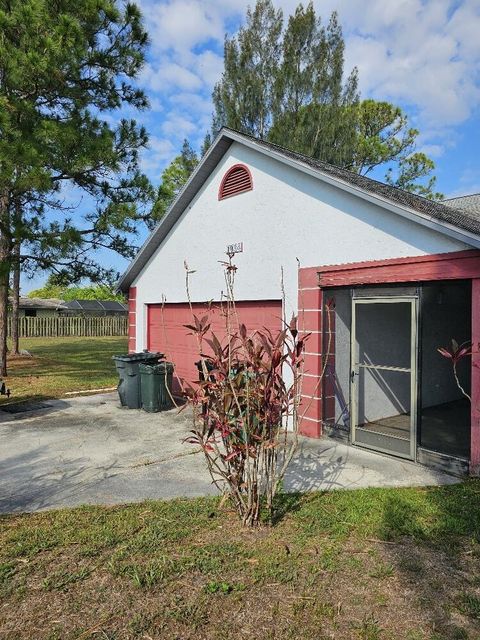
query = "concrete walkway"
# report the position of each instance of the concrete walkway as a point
(88, 450)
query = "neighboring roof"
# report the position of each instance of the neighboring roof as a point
(40, 303)
(460, 224)
(95, 305)
(469, 204)
(73, 305)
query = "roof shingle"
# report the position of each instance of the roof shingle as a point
(469, 204)
(444, 212)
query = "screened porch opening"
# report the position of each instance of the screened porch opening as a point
(439, 420)
(444, 413)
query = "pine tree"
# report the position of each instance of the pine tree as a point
(288, 86)
(64, 63)
(384, 137)
(15, 298)
(244, 99)
(315, 104)
(174, 178)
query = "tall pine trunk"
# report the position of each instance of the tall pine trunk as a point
(5, 259)
(4, 279)
(15, 298)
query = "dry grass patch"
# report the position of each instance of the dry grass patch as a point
(371, 564)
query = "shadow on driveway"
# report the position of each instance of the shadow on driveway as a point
(88, 450)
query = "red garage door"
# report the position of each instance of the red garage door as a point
(167, 333)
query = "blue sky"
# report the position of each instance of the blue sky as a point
(422, 55)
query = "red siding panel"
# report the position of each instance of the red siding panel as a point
(132, 319)
(311, 320)
(311, 298)
(314, 343)
(308, 278)
(311, 386)
(310, 428)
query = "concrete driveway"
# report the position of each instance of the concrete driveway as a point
(88, 450)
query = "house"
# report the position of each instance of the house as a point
(52, 307)
(39, 307)
(402, 275)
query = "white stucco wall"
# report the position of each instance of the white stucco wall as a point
(288, 215)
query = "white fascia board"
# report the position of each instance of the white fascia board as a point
(174, 212)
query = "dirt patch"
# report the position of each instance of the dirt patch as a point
(185, 570)
(21, 359)
(359, 597)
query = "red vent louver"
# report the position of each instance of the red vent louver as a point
(238, 179)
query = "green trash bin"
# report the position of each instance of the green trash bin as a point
(156, 386)
(129, 376)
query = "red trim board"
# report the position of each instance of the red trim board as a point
(441, 266)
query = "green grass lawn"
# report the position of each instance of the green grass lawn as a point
(59, 365)
(372, 564)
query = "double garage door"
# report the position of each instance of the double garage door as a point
(166, 330)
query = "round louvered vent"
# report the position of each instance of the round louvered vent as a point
(238, 179)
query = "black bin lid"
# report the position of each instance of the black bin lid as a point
(157, 368)
(142, 356)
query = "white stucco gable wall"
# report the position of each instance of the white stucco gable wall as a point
(288, 215)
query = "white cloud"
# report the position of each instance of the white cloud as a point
(421, 54)
(155, 104)
(432, 150)
(159, 152)
(182, 24)
(209, 66)
(468, 183)
(160, 146)
(193, 102)
(178, 126)
(166, 77)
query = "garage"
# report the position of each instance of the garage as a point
(166, 331)
(379, 277)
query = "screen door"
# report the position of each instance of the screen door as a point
(383, 374)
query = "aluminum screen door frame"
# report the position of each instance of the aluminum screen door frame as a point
(381, 442)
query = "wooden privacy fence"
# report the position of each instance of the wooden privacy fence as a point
(64, 326)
